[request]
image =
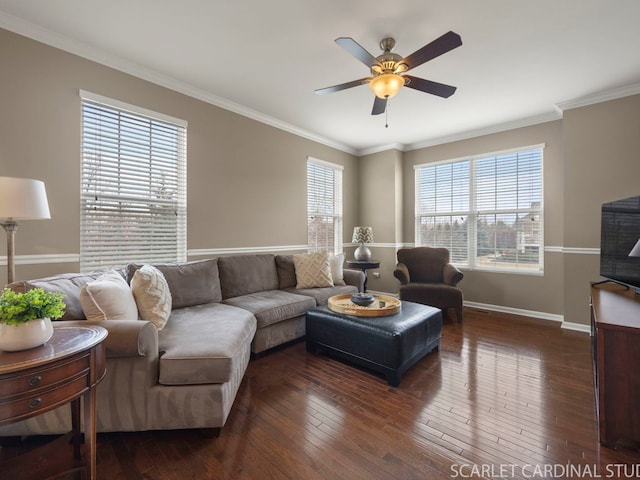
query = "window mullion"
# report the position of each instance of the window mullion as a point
(472, 240)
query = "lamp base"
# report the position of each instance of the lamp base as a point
(362, 253)
(10, 227)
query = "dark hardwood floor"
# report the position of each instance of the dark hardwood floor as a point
(506, 397)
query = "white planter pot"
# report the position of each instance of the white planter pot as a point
(26, 335)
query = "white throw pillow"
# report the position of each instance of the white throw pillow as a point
(108, 297)
(151, 291)
(337, 274)
(312, 270)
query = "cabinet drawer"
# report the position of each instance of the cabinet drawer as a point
(32, 404)
(36, 379)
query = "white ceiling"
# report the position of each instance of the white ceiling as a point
(520, 63)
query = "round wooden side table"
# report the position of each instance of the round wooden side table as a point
(363, 265)
(64, 370)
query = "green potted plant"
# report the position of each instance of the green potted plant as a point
(25, 318)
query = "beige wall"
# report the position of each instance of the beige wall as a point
(380, 207)
(524, 292)
(590, 157)
(246, 181)
(601, 164)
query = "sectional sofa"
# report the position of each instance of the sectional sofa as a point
(187, 374)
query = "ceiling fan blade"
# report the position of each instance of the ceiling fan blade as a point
(342, 86)
(445, 43)
(427, 86)
(355, 49)
(379, 106)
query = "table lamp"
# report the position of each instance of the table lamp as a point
(20, 199)
(362, 235)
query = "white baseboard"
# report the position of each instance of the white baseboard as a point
(578, 327)
(515, 311)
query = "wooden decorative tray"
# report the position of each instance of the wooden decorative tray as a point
(343, 304)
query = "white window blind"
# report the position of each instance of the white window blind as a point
(486, 209)
(324, 207)
(133, 192)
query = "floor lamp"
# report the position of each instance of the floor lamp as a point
(20, 199)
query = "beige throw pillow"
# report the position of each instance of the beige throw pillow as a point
(312, 270)
(151, 291)
(108, 297)
(337, 273)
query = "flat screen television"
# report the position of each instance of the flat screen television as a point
(620, 237)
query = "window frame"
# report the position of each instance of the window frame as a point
(337, 206)
(474, 212)
(126, 202)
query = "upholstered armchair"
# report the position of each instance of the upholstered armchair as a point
(427, 277)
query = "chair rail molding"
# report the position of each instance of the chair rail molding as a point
(43, 258)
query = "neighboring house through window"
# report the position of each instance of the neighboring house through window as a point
(486, 209)
(133, 192)
(324, 206)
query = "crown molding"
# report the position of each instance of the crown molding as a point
(48, 37)
(380, 148)
(599, 97)
(497, 128)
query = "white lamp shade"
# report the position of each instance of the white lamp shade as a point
(635, 251)
(23, 199)
(362, 235)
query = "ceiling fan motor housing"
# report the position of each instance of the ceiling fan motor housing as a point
(387, 63)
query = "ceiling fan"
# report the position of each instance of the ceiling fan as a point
(387, 69)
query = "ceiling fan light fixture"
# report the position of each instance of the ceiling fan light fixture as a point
(386, 85)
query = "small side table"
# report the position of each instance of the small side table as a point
(363, 265)
(65, 369)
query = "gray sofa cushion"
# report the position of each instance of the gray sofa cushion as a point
(192, 283)
(244, 274)
(286, 271)
(273, 306)
(321, 295)
(199, 343)
(68, 283)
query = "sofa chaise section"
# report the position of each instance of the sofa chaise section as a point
(132, 396)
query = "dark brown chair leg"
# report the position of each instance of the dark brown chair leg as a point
(459, 314)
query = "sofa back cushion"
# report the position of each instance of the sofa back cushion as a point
(68, 283)
(245, 274)
(286, 271)
(192, 283)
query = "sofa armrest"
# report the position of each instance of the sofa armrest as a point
(354, 277)
(451, 275)
(126, 338)
(402, 273)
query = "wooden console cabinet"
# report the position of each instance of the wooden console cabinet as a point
(615, 326)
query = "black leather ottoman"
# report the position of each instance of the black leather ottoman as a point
(389, 345)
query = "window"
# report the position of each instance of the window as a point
(324, 207)
(486, 209)
(133, 192)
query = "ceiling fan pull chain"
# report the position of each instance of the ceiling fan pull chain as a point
(386, 115)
